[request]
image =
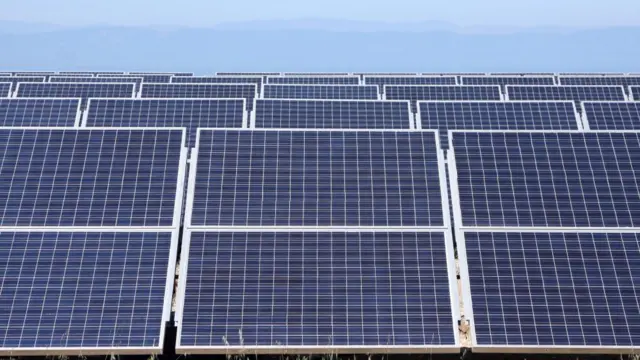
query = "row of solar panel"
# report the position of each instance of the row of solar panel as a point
(252, 280)
(321, 114)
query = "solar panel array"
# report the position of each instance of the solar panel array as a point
(416, 93)
(327, 92)
(495, 115)
(39, 112)
(311, 80)
(320, 221)
(209, 91)
(332, 114)
(189, 113)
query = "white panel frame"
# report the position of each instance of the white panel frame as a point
(319, 85)
(508, 98)
(252, 124)
(575, 111)
(85, 118)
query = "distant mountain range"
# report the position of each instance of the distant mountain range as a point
(318, 45)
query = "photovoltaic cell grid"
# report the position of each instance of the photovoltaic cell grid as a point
(590, 74)
(76, 90)
(625, 81)
(310, 80)
(14, 80)
(210, 91)
(492, 115)
(415, 93)
(507, 80)
(316, 74)
(5, 89)
(5, 74)
(89, 177)
(612, 115)
(344, 92)
(381, 81)
(146, 78)
(548, 179)
(634, 93)
(546, 289)
(317, 178)
(82, 290)
(162, 74)
(91, 73)
(248, 73)
(331, 114)
(522, 74)
(218, 80)
(33, 73)
(189, 113)
(72, 79)
(575, 93)
(39, 112)
(328, 289)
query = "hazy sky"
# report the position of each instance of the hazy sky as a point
(211, 12)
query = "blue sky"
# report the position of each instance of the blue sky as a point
(530, 13)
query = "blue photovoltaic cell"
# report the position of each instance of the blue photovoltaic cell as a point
(218, 80)
(14, 80)
(91, 73)
(522, 74)
(210, 91)
(146, 78)
(574, 93)
(317, 178)
(248, 73)
(634, 93)
(625, 81)
(548, 179)
(507, 80)
(160, 74)
(590, 74)
(82, 289)
(316, 74)
(311, 80)
(76, 90)
(317, 289)
(39, 112)
(381, 81)
(332, 114)
(415, 93)
(5, 89)
(339, 92)
(612, 115)
(496, 115)
(75, 79)
(189, 113)
(555, 289)
(88, 177)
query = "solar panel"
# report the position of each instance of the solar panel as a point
(76, 73)
(507, 80)
(210, 91)
(335, 92)
(189, 113)
(386, 74)
(381, 81)
(634, 93)
(331, 114)
(126, 80)
(40, 112)
(161, 73)
(79, 293)
(14, 80)
(554, 291)
(454, 74)
(248, 73)
(546, 179)
(90, 177)
(317, 292)
(146, 78)
(5, 89)
(76, 90)
(521, 74)
(625, 81)
(218, 80)
(33, 73)
(5, 74)
(496, 115)
(316, 178)
(611, 115)
(315, 80)
(566, 92)
(415, 93)
(589, 74)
